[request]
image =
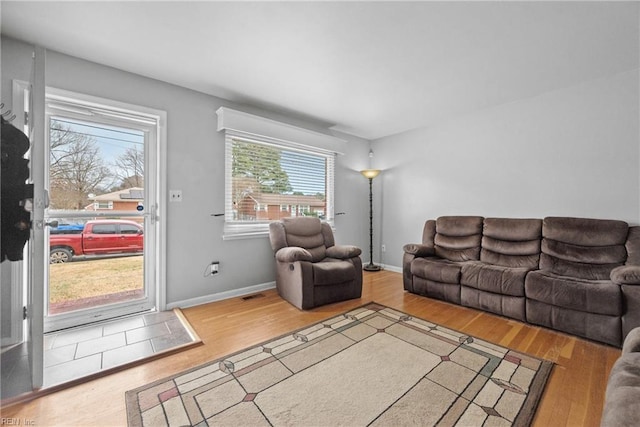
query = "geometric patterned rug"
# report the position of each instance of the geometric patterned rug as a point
(370, 366)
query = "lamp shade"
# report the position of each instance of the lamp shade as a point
(370, 173)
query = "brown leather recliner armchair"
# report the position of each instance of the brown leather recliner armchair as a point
(311, 270)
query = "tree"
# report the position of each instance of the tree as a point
(76, 168)
(130, 168)
(262, 164)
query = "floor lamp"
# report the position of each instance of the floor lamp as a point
(370, 174)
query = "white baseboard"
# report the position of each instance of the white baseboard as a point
(392, 268)
(221, 296)
(241, 292)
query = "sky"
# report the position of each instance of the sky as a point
(112, 141)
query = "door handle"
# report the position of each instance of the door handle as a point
(40, 224)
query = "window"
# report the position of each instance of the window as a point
(102, 205)
(265, 178)
(129, 229)
(104, 229)
(272, 171)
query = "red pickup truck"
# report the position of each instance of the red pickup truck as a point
(97, 237)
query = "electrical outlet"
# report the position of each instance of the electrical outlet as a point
(175, 195)
(384, 248)
(214, 267)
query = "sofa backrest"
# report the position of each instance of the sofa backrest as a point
(583, 248)
(305, 232)
(511, 242)
(457, 238)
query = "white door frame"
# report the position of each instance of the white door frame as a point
(155, 227)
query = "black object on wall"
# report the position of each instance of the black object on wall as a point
(16, 221)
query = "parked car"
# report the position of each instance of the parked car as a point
(97, 237)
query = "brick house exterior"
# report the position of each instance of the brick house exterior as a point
(277, 206)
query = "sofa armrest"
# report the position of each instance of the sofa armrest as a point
(293, 254)
(626, 275)
(417, 249)
(343, 251)
(632, 342)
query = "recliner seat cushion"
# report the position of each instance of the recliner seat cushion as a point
(494, 278)
(436, 269)
(597, 297)
(332, 271)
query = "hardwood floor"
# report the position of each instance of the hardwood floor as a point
(573, 396)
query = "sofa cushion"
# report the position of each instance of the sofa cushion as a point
(580, 270)
(511, 242)
(585, 231)
(583, 248)
(332, 271)
(436, 269)
(623, 393)
(598, 297)
(457, 238)
(494, 278)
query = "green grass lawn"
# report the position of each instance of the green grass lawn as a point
(89, 278)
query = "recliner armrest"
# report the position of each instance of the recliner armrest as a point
(626, 275)
(632, 342)
(417, 249)
(293, 254)
(343, 251)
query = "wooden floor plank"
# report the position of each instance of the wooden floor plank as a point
(573, 396)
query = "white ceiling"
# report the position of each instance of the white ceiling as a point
(370, 69)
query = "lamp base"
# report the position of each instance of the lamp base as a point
(372, 267)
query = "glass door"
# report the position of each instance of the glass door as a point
(102, 179)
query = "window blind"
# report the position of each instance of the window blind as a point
(267, 180)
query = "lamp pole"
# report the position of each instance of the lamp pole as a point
(370, 174)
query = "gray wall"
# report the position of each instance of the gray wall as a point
(570, 152)
(195, 165)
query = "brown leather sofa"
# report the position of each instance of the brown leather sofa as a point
(576, 275)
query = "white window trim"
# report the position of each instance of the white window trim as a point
(237, 124)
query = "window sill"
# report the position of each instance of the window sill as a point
(243, 236)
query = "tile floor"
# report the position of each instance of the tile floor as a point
(83, 351)
(15, 371)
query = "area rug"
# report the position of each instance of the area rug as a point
(370, 366)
